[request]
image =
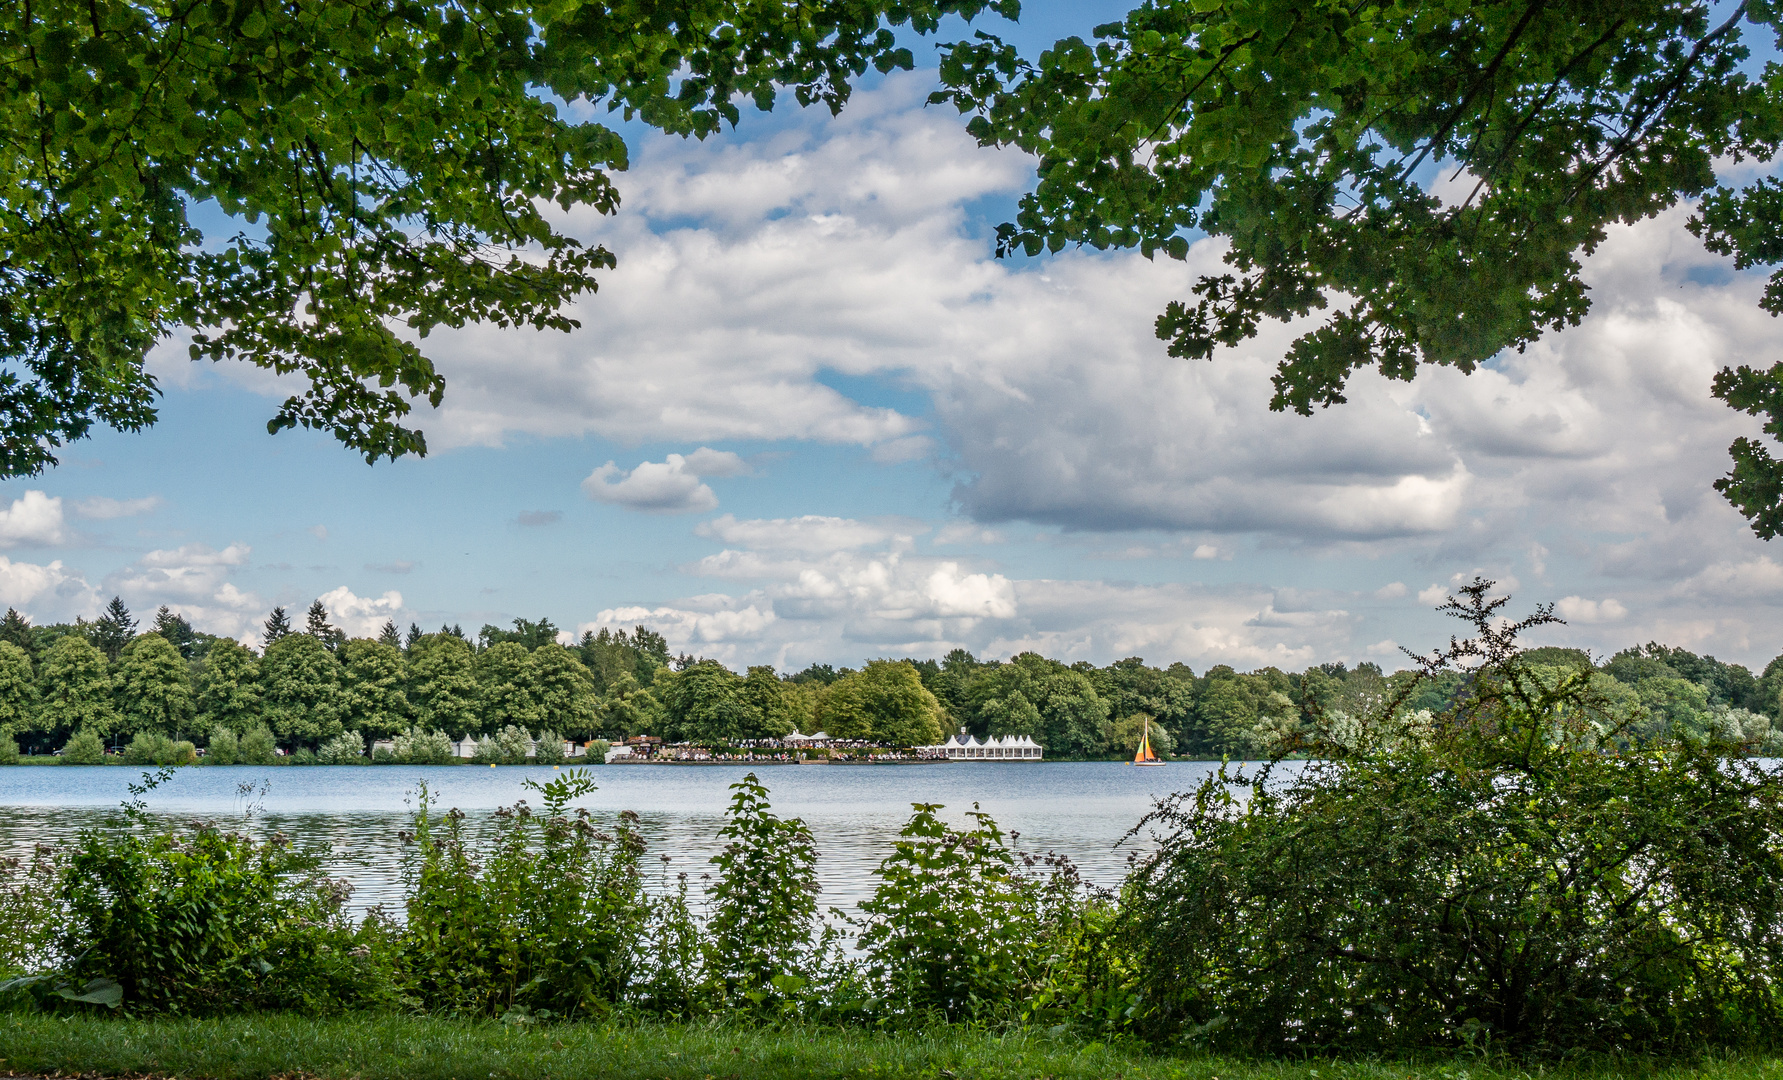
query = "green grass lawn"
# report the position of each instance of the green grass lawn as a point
(420, 1048)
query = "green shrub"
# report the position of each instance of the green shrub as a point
(513, 746)
(224, 748)
(488, 752)
(954, 931)
(763, 904)
(596, 752)
(9, 749)
(347, 748)
(547, 914)
(550, 749)
(147, 748)
(303, 755)
(208, 922)
(257, 747)
(419, 747)
(1517, 871)
(84, 748)
(180, 752)
(381, 755)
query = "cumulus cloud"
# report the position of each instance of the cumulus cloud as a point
(34, 519)
(100, 508)
(361, 616)
(709, 462)
(665, 487)
(829, 589)
(194, 580)
(752, 270)
(50, 589)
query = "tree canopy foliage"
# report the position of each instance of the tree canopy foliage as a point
(303, 696)
(384, 168)
(1307, 135)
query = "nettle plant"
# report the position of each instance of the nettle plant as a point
(543, 916)
(962, 927)
(202, 921)
(1520, 870)
(762, 924)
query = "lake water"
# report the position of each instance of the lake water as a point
(1078, 809)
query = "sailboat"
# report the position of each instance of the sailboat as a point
(1145, 755)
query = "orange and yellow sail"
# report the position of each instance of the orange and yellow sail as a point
(1145, 755)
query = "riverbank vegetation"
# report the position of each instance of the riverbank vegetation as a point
(101, 691)
(1528, 873)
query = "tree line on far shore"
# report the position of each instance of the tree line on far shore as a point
(108, 683)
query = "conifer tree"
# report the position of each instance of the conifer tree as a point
(278, 624)
(114, 629)
(176, 630)
(413, 636)
(316, 626)
(388, 635)
(16, 629)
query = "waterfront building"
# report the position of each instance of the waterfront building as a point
(965, 747)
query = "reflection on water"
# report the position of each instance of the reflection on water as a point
(1079, 809)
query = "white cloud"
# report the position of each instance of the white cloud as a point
(50, 589)
(100, 508)
(34, 518)
(666, 487)
(1394, 591)
(709, 462)
(193, 580)
(361, 616)
(193, 556)
(672, 486)
(1577, 609)
(752, 270)
(810, 533)
(320, 532)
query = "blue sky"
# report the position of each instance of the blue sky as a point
(837, 428)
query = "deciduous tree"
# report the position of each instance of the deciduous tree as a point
(300, 691)
(229, 687)
(18, 689)
(378, 167)
(154, 687)
(443, 684)
(883, 702)
(1305, 136)
(374, 704)
(73, 691)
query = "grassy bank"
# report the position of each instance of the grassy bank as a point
(421, 1048)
